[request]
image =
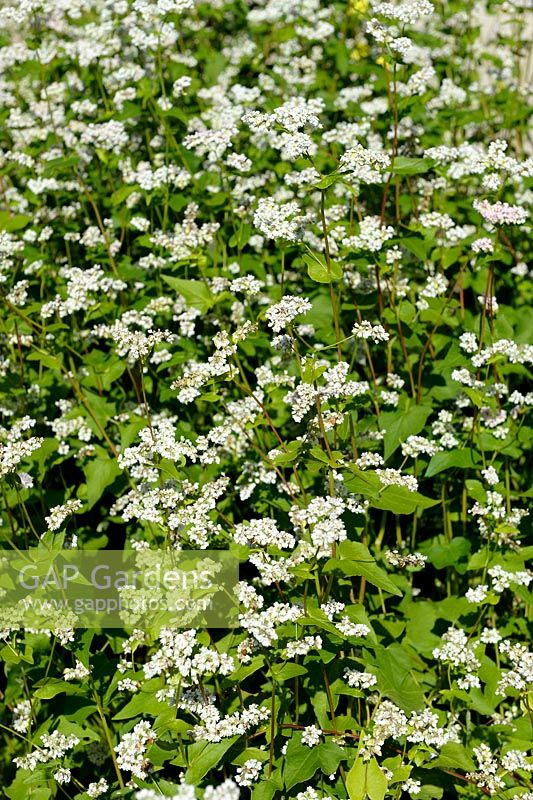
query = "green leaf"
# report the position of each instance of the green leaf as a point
(83, 733)
(462, 459)
(100, 406)
(56, 165)
(8, 655)
(161, 752)
(319, 455)
(398, 425)
(318, 271)
(476, 397)
(407, 311)
(144, 702)
(335, 461)
(442, 553)
(205, 756)
(121, 194)
(318, 619)
(264, 791)
(354, 558)
(25, 787)
(411, 166)
(301, 762)
(366, 780)
(178, 201)
(240, 238)
(289, 455)
(400, 771)
(14, 222)
(330, 756)
(327, 180)
(364, 482)
(52, 687)
(400, 500)
(451, 256)
(416, 246)
(114, 371)
(394, 665)
(245, 670)
(99, 473)
(195, 293)
(250, 752)
(419, 630)
(287, 671)
(50, 361)
(397, 499)
(476, 490)
(453, 756)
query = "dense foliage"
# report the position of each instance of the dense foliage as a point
(264, 287)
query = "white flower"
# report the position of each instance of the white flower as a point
(26, 480)
(433, 219)
(406, 12)
(62, 775)
(359, 680)
(283, 313)
(98, 788)
(76, 673)
(58, 514)
(501, 213)
(372, 235)
(180, 86)
(349, 628)
(132, 747)
(54, 745)
(412, 787)
(227, 790)
(520, 677)
(303, 646)
(396, 559)
(14, 449)
(418, 445)
(469, 681)
(211, 143)
(367, 460)
(261, 533)
(490, 636)
(365, 330)
(502, 579)
(331, 608)
(311, 735)
(110, 135)
(516, 759)
(483, 245)
(249, 772)
(490, 475)
(394, 477)
(22, 716)
(478, 594)
(215, 727)
(488, 766)
(457, 651)
(389, 398)
(18, 294)
(309, 794)
(468, 342)
(279, 221)
(364, 165)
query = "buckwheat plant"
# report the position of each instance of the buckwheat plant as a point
(265, 288)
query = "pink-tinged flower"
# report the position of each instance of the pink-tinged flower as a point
(500, 213)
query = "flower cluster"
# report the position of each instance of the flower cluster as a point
(265, 294)
(132, 748)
